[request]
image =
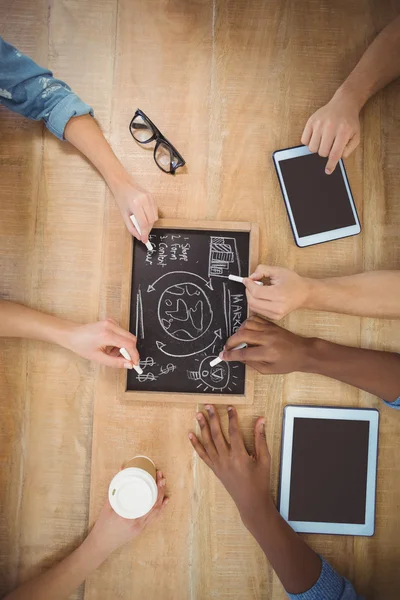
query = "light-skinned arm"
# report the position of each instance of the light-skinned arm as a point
(272, 349)
(370, 294)
(334, 130)
(99, 342)
(246, 478)
(84, 133)
(109, 533)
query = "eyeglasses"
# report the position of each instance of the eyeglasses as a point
(167, 158)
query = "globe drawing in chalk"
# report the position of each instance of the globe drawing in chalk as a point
(184, 312)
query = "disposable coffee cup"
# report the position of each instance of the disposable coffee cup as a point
(133, 491)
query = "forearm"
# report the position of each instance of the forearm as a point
(85, 134)
(375, 372)
(372, 294)
(378, 66)
(297, 566)
(18, 321)
(59, 582)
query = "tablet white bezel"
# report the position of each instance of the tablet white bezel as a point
(314, 412)
(325, 236)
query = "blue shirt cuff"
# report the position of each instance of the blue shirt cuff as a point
(395, 404)
(330, 586)
(70, 106)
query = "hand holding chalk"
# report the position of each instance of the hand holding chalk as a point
(217, 360)
(241, 279)
(127, 356)
(148, 244)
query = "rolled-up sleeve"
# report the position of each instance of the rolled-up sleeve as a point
(32, 91)
(330, 586)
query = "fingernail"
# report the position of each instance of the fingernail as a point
(190, 436)
(221, 355)
(166, 500)
(209, 408)
(160, 474)
(128, 366)
(230, 408)
(328, 171)
(199, 416)
(162, 482)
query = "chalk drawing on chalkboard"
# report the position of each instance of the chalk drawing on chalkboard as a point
(184, 312)
(178, 276)
(223, 257)
(139, 315)
(161, 346)
(149, 362)
(215, 378)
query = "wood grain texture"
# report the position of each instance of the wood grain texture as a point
(228, 82)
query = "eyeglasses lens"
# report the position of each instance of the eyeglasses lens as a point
(163, 157)
(141, 130)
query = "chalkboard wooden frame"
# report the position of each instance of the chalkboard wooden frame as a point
(156, 396)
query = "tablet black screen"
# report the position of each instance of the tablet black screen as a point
(329, 471)
(319, 202)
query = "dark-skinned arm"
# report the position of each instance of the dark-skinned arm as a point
(246, 477)
(272, 349)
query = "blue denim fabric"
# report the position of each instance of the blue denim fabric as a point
(33, 92)
(395, 404)
(330, 586)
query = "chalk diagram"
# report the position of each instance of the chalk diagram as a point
(185, 312)
(215, 378)
(223, 257)
(188, 317)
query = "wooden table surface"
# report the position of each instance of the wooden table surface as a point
(229, 82)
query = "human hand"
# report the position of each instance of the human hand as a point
(287, 291)
(271, 349)
(334, 129)
(112, 531)
(245, 476)
(133, 200)
(101, 342)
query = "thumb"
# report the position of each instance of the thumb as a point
(260, 441)
(116, 362)
(264, 271)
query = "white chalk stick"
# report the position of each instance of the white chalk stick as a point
(148, 244)
(127, 356)
(240, 279)
(217, 360)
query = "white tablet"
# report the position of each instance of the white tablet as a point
(328, 469)
(320, 207)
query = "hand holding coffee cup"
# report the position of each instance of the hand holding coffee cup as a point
(134, 491)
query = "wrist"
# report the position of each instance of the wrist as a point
(350, 94)
(117, 178)
(256, 518)
(95, 552)
(317, 353)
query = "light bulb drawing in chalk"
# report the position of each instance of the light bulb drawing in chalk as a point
(215, 378)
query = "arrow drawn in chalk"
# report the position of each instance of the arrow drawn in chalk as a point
(161, 346)
(208, 283)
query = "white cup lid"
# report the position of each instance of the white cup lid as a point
(132, 493)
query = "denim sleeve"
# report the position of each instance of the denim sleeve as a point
(395, 404)
(32, 91)
(330, 586)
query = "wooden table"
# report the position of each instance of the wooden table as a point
(228, 82)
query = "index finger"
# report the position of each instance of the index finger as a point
(336, 152)
(139, 222)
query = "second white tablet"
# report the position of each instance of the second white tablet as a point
(328, 469)
(320, 207)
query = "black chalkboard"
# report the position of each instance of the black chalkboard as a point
(184, 307)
